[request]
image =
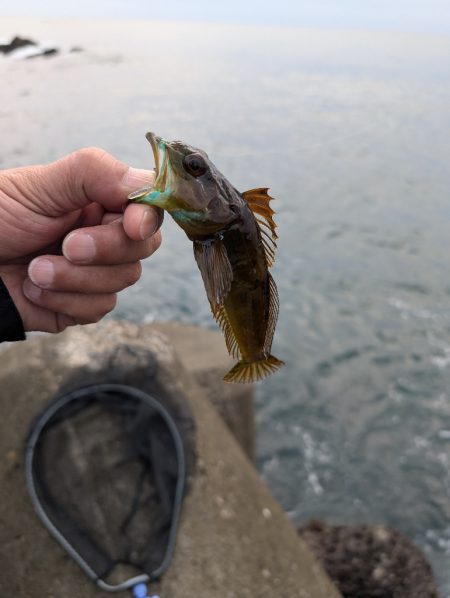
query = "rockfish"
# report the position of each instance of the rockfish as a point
(234, 237)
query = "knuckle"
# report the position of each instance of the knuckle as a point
(105, 305)
(154, 242)
(63, 321)
(133, 273)
(112, 302)
(60, 322)
(90, 310)
(80, 160)
(94, 317)
(88, 154)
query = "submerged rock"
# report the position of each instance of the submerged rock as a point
(15, 43)
(22, 48)
(370, 561)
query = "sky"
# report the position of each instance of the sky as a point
(403, 15)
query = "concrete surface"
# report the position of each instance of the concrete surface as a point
(203, 354)
(234, 540)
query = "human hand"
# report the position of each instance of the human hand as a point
(66, 245)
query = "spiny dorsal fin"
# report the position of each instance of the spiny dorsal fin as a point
(258, 201)
(215, 268)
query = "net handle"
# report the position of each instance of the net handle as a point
(141, 591)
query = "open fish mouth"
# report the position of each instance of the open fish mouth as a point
(149, 193)
(160, 156)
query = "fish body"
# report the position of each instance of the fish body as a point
(234, 237)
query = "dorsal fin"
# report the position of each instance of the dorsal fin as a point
(212, 260)
(258, 201)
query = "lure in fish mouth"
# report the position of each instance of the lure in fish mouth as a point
(234, 238)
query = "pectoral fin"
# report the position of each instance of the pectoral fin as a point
(215, 268)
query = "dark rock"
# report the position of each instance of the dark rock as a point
(16, 42)
(35, 50)
(45, 52)
(370, 561)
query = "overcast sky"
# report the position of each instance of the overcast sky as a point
(404, 15)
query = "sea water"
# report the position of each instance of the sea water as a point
(351, 131)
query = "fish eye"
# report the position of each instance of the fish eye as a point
(195, 165)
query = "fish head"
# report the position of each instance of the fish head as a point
(190, 188)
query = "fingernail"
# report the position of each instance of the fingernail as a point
(137, 177)
(31, 291)
(149, 223)
(79, 248)
(42, 272)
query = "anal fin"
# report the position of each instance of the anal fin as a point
(221, 316)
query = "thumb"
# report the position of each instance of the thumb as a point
(85, 176)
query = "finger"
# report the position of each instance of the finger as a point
(55, 273)
(141, 222)
(110, 217)
(81, 307)
(108, 244)
(85, 176)
(91, 215)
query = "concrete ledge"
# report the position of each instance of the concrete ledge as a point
(204, 355)
(234, 540)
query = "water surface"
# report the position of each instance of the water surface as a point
(352, 133)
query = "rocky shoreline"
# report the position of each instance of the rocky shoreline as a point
(23, 48)
(370, 561)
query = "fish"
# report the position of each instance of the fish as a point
(234, 240)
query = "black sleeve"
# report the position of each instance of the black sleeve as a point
(11, 326)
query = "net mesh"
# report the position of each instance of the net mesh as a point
(105, 471)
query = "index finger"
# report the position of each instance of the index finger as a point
(107, 244)
(141, 221)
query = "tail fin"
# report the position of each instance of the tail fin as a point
(252, 371)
